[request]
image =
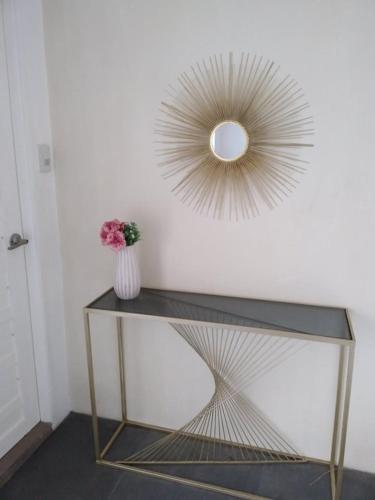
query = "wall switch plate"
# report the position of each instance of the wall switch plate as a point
(45, 163)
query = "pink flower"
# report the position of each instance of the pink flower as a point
(116, 240)
(112, 234)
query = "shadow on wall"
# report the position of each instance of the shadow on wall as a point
(153, 236)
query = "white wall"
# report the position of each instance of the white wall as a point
(109, 64)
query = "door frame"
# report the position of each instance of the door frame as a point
(27, 74)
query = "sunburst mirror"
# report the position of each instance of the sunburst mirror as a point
(230, 136)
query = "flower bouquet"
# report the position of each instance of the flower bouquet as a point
(121, 237)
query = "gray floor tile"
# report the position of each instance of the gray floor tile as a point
(64, 469)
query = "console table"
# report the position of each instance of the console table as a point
(240, 340)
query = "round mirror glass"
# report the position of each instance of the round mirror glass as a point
(229, 141)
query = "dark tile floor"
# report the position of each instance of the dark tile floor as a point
(64, 469)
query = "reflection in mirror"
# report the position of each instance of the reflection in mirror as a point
(229, 141)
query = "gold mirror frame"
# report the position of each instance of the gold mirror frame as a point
(271, 109)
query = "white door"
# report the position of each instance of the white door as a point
(19, 409)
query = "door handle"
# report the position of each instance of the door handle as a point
(16, 241)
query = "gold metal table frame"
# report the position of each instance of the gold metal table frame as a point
(161, 305)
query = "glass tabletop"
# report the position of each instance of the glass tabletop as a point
(330, 322)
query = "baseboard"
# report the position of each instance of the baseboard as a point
(23, 450)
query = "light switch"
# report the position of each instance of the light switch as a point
(44, 153)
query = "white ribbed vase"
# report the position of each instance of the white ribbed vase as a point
(127, 280)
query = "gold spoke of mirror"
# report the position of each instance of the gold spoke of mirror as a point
(230, 136)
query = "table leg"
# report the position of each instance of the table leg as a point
(120, 345)
(336, 425)
(90, 366)
(344, 425)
